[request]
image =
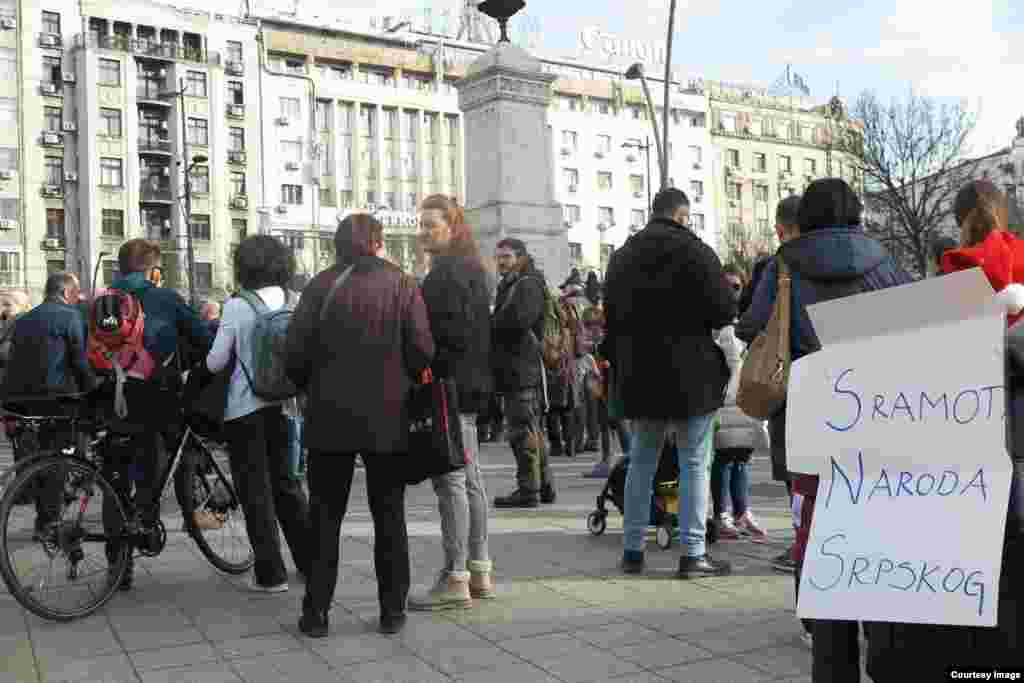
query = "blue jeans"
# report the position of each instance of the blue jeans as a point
(730, 481)
(692, 448)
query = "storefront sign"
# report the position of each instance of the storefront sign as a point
(608, 47)
(387, 217)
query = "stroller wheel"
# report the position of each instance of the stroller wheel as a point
(596, 523)
(664, 537)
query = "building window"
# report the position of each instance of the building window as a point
(291, 107)
(52, 117)
(733, 191)
(239, 229)
(604, 144)
(55, 224)
(204, 276)
(728, 122)
(291, 150)
(348, 199)
(569, 140)
(109, 72)
(760, 193)
(109, 270)
(9, 209)
(201, 180)
(200, 227)
(52, 69)
(811, 167)
(198, 132)
(572, 177)
(324, 115)
(54, 169)
(294, 242)
(55, 265)
(604, 181)
(9, 112)
(760, 162)
(606, 216)
(51, 23)
(8, 158)
(697, 222)
(195, 84)
(291, 194)
(236, 182)
(732, 158)
(390, 123)
(113, 223)
(603, 106)
(697, 153)
(575, 253)
(236, 139)
(452, 124)
(10, 268)
(697, 189)
(785, 164)
(430, 128)
(636, 218)
(326, 163)
(636, 183)
(571, 213)
(110, 122)
(234, 50)
(236, 92)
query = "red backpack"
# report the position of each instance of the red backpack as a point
(117, 325)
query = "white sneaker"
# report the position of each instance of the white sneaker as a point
(748, 526)
(259, 588)
(726, 528)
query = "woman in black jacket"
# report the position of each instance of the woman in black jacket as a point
(457, 296)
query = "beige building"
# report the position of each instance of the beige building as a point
(92, 141)
(766, 148)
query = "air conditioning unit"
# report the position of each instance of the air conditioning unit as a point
(51, 243)
(68, 127)
(48, 88)
(240, 203)
(283, 121)
(52, 190)
(236, 157)
(6, 224)
(234, 68)
(696, 166)
(630, 158)
(292, 166)
(599, 155)
(282, 209)
(70, 177)
(6, 175)
(572, 189)
(49, 40)
(51, 138)
(8, 23)
(638, 194)
(566, 151)
(68, 76)
(236, 110)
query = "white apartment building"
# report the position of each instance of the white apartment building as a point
(92, 141)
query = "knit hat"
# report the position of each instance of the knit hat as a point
(1001, 257)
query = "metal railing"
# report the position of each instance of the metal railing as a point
(159, 194)
(149, 90)
(154, 144)
(149, 48)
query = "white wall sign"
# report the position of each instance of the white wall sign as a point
(608, 47)
(901, 414)
(388, 218)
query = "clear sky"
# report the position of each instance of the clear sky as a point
(968, 50)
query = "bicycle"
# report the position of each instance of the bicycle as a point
(69, 488)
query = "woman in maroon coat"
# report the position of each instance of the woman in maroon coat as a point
(355, 353)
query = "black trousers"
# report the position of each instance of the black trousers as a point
(330, 482)
(258, 448)
(561, 433)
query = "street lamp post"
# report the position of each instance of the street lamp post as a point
(646, 149)
(668, 81)
(637, 72)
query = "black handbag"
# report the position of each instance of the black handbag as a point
(206, 399)
(435, 431)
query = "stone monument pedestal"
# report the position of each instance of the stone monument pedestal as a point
(510, 189)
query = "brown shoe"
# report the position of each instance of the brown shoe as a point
(451, 591)
(481, 579)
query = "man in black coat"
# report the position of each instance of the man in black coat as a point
(664, 294)
(517, 328)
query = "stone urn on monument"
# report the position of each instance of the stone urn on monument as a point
(510, 188)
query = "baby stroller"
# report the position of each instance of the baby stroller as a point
(664, 503)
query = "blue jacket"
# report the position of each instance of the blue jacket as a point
(825, 264)
(168, 318)
(48, 353)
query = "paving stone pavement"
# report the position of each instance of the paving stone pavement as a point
(564, 612)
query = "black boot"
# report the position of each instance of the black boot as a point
(547, 494)
(314, 623)
(700, 567)
(520, 498)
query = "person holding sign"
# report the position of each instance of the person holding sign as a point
(831, 258)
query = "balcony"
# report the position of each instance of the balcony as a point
(160, 193)
(154, 145)
(148, 91)
(148, 48)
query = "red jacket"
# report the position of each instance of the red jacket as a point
(1001, 257)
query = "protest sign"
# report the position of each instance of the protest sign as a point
(901, 415)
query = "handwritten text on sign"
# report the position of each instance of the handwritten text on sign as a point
(914, 476)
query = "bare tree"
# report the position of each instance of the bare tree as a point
(742, 245)
(912, 156)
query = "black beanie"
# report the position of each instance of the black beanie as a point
(828, 203)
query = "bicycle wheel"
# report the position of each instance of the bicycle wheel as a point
(54, 553)
(212, 510)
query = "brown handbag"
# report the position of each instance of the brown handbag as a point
(765, 373)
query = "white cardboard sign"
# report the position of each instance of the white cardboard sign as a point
(901, 414)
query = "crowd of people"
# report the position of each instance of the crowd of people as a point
(652, 356)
